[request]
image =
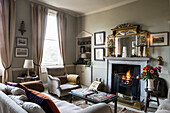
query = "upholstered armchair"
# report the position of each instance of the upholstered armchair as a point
(61, 85)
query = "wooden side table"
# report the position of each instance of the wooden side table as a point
(26, 79)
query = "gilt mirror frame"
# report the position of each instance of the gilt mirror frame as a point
(128, 29)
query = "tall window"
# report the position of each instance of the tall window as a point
(51, 52)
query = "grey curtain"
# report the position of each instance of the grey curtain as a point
(7, 35)
(61, 22)
(39, 22)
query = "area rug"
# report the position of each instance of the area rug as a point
(81, 103)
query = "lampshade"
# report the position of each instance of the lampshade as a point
(28, 63)
(83, 55)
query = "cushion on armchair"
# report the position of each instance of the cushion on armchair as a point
(63, 78)
(72, 79)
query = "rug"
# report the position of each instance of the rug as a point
(81, 103)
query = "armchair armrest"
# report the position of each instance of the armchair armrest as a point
(53, 83)
(169, 93)
(97, 108)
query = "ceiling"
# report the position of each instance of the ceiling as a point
(86, 7)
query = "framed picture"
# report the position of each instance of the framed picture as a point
(159, 39)
(99, 54)
(21, 52)
(99, 38)
(21, 41)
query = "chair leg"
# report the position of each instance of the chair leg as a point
(157, 99)
(147, 101)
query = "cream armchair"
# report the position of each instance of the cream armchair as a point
(61, 85)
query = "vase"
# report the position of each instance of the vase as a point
(150, 85)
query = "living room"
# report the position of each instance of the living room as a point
(84, 19)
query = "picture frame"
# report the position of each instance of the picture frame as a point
(99, 38)
(22, 41)
(21, 52)
(99, 54)
(159, 39)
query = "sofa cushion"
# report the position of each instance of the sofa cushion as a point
(3, 88)
(44, 101)
(32, 107)
(165, 105)
(16, 99)
(35, 85)
(72, 78)
(68, 86)
(15, 90)
(62, 78)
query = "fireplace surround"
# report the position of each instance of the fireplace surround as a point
(137, 62)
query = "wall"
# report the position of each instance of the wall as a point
(23, 12)
(152, 15)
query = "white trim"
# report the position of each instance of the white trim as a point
(110, 7)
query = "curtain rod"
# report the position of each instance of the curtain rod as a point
(55, 8)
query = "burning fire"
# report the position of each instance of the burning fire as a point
(127, 77)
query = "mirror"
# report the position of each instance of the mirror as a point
(125, 46)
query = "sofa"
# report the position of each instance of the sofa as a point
(11, 105)
(164, 107)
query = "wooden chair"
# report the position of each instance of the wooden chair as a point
(155, 93)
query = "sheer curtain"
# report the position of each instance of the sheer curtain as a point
(7, 35)
(39, 22)
(61, 24)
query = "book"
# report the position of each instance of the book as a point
(82, 92)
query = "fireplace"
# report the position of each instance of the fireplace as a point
(125, 81)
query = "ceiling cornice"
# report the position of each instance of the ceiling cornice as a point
(110, 7)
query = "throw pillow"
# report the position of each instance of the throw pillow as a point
(16, 100)
(15, 90)
(32, 107)
(11, 84)
(3, 88)
(44, 101)
(72, 78)
(94, 85)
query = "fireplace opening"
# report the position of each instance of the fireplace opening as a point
(125, 81)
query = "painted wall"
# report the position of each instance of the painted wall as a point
(152, 15)
(23, 12)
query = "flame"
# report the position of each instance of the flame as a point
(128, 76)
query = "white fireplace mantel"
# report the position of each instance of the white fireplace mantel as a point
(142, 61)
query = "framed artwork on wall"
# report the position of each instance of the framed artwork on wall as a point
(22, 41)
(21, 52)
(99, 38)
(99, 54)
(159, 39)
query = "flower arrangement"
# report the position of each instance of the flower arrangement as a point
(150, 72)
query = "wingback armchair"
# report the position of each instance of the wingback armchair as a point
(61, 85)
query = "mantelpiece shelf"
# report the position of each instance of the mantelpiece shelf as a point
(128, 58)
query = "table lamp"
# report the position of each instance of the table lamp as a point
(28, 64)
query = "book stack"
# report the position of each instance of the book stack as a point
(100, 96)
(82, 92)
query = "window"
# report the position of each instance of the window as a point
(51, 51)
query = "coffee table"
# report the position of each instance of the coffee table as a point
(88, 99)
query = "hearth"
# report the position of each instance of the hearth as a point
(125, 81)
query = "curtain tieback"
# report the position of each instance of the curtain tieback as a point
(36, 64)
(8, 67)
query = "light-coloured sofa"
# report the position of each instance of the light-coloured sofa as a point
(164, 107)
(7, 105)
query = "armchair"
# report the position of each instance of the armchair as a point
(61, 85)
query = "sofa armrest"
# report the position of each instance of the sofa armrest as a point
(169, 93)
(97, 108)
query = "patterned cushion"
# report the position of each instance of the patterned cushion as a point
(44, 101)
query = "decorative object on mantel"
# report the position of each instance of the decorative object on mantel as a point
(159, 58)
(149, 73)
(99, 38)
(159, 39)
(124, 53)
(126, 34)
(22, 28)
